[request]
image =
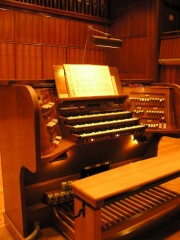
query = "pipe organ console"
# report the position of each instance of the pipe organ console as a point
(86, 167)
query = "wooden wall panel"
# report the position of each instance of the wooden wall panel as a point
(133, 60)
(28, 28)
(137, 55)
(52, 56)
(54, 31)
(169, 74)
(138, 18)
(120, 18)
(99, 56)
(121, 56)
(169, 56)
(6, 25)
(130, 18)
(28, 62)
(77, 33)
(75, 55)
(40, 41)
(135, 22)
(170, 48)
(7, 67)
(153, 39)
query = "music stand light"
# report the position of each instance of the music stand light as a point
(102, 41)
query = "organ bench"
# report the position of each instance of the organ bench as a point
(127, 196)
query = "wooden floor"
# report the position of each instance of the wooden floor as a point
(174, 235)
(4, 234)
(166, 145)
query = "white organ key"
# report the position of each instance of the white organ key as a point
(112, 131)
(98, 115)
(104, 123)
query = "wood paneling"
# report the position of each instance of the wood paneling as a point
(137, 55)
(27, 27)
(135, 22)
(169, 74)
(170, 48)
(6, 25)
(54, 31)
(76, 55)
(31, 43)
(79, 53)
(169, 59)
(121, 56)
(133, 60)
(120, 26)
(138, 18)
(7, 66)
(52, 55)
(28, 62)
(77, 33)
(98, 56)
(129, 18)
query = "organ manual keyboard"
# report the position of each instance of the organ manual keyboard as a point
(58, 141)
(85, 120)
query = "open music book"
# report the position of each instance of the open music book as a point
(89, 80)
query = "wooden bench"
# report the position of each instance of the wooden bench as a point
(92, 192)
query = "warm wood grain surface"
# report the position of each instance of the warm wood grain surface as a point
(96, 188)
(1, 199)
(167, 146)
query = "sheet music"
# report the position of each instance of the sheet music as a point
(89, 80)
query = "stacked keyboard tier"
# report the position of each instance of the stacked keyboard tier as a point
(86, 120)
